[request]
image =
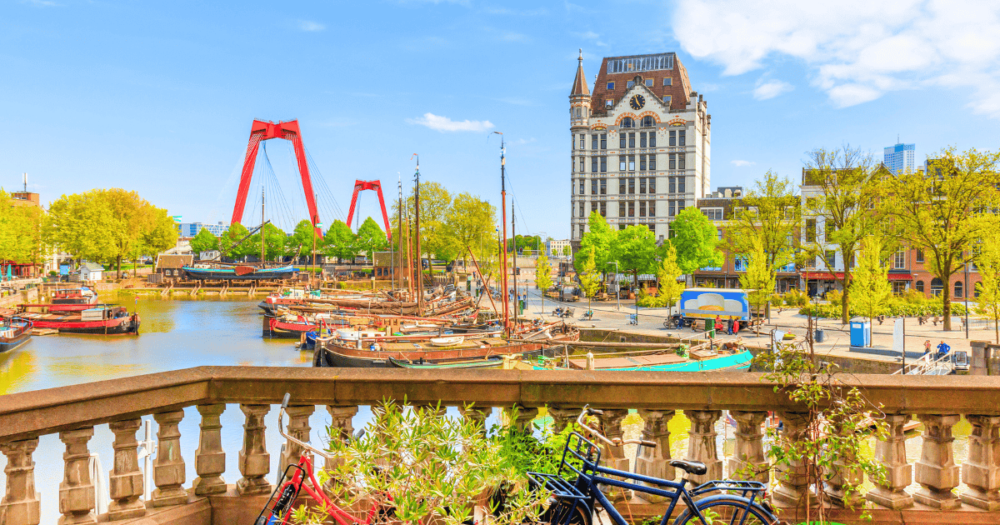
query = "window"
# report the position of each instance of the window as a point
(604, 209)
(572, 141)
(668, 82)
(593, 142)
(673, 161)
(899, 260)
(666, 99)
(631, 186)
(652, 163)
(713, 214)
(642, 208)
(649, 82)
(621, 186)
(609, 103)
(831, 259)
(604, 141)
(740, 263)
(593, 206)
(621, 162)
(673, 138)
(581, 186)
(582, 212)
(583, 166)
(621, 208)
(642, 139)
(680, 161)
(593, 164)
(920, 256)
(810, 230)
(593, 186)
(642, 185)
(604, 164)
(631, 208)
(671, 208)
(577, 112)
(631, 140)
(672, 185)
(642, 163)
(648, 122)
(680, 137)
(920, 286)
(958, 289)
(652, 185)
(631, 162)
(583, 143)
(652, 139)
(680, 184)
(604, 186)
(936, 287)
(621, 140)
(627, 122)
(611, 86)
(629, 84)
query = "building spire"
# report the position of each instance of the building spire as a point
(580, 83)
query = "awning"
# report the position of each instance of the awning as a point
(823, 276)
(900, 277)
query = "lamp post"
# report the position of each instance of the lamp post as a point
(618, 288)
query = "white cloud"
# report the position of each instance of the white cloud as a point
(439, 123)
(306, 25)
(771, 89)
(743, 163)
(856, 50)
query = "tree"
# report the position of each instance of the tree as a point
(20, 231)
(204, 241)
(871, 288)
(590, 276)
(229, 243)
(543, 276)
(759, 279)
(566, 251)
(601, 238)
(943, 212)
(275, 240)
(340, 241)
(635, 251)
(766, 219)
(667, 274)
(370, 238)
(841, 214)
(988, 289)
(469, 221)
(161, 235)
(695, 241)
(300, 243)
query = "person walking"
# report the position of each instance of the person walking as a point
(927, 347)
(729, 326)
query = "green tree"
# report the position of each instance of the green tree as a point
(160, 236)
(601, 238)
(204, 241)
(766, 218)
(666, 274)
(635, 251)
(870, 287)
(695, 241)
(300, 243)
(20, 231)
(370, 238)
(759, 278)
(340, 241)
(988, 288)
(589, 275)
(566, 251)
(275, 241)
(543, 276)
(942, 212)
(230, 245)
(469, 221)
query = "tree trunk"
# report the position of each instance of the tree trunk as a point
(119, 262)
(845, 308)
(946, 303)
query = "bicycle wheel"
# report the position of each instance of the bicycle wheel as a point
(727, 509)
(559, 513)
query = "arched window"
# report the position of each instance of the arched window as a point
(648, 122)
(958, 289)
(920, 286)
(937, 287)
(627, 122)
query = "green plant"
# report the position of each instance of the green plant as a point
(835, 297)
(776, 300)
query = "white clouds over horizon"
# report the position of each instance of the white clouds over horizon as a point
(771, 89)
(443, 124)
(856, 50)
(743, 163)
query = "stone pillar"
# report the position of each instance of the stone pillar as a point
(20, 504)
(836, 488)
(255, 462)
(168, 469)
(476, 414)
(701, 444)
(793, 478)
(936, 471)
(561, 417)
(613, 456)
(524, 418)
(655, 461)
(748, 461)
(298, 428)
(76, 492)
(891, 453)
(341, 425)
(125, 481)
(210, 458)
(981, 471)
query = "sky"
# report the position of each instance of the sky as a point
(158, 97)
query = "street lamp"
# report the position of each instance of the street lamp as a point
(618, 288)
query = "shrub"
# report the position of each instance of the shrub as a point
(895, 307)
(835, 297)
(776, 300)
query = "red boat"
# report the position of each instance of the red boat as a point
(114, 320)
(81, 296)
(56, 307)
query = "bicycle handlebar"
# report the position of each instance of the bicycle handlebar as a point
(292, 439)
(613, 442)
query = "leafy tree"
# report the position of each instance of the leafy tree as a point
(766, 219)
(275, 241)
(204, 241)
(340, 241)
(601, 238)
(566, 251)
(635, 250)
(161, 235)
(469, 221)
(848, 182)
(695, 241)
(228, 242)
(943, 212)
(590, 276)
(543, 276)
(988, 300)
(871, 288)
(667, 274)
(370, 238)
(759, 279)
(300, 243)
(20, 231)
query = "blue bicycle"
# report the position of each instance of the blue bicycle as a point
(576, 492)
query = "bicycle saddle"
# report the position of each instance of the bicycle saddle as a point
(691, 467)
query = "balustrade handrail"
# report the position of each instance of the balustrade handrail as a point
(31, 414)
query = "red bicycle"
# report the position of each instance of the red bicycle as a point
(301, 476)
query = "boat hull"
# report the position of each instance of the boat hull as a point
(202, 274)
(20, 337)
(127, 325)
(277, 328)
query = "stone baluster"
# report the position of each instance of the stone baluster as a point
(981, 471)
(936, 471)
(476, 414)
(76, 492)
(655, 461)
(891, 453)
(255, 462)
(563, 416)
(168, 469)
(613, 456)
(20, 504)
(701, 443)
(525, 416)
(793, 477)
(210, 458)
(748, 461)
(125, 481)
(842, 488)
(341, 425)
(298, 428)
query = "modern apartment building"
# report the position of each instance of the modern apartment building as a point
(641, 144)
(190, 229)
(900, 158)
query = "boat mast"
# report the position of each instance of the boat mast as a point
(503, 239)
(420, 260)
(513, 234)
(400, 210)
(261, 225)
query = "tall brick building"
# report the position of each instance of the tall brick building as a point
(641, 143)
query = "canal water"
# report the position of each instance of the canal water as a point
(179, 333)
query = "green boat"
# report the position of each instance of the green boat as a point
(492, 362)
(734, 362)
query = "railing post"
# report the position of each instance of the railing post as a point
(168, 469)
(655, 461)
(525, 416)
(210, 458)
(842, 475)
(125, 482)
(936, 471)
(749, 451)
(701, 443)
(298, 428)
(793, 479)
(562, 416)
(476, 414)
(341, 425)
(614, 457)
(891, 453)
(255, 462)
(981, 471)
(76, 492)
(20, 504)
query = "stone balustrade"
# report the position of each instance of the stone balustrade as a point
(205, 497)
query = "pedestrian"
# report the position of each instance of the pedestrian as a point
(736, 327)
(729, 326)
(942, 349)
(927, 347)
(921, 320)
(935, 319)
(718, 324)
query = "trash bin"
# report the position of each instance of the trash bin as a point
(860, 332)
(820, 336)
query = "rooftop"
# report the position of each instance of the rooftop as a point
(617, 72)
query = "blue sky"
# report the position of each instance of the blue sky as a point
(159, 97)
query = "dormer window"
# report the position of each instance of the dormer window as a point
(611, 86)
(608, 103)
(629, 84)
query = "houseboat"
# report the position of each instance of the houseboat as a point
(14, 332)
(101, 320)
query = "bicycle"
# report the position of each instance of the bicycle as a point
(278, 509)
(576, 493)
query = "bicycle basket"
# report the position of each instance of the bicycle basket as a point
(279, 505)
(580, 458)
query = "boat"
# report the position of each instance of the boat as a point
(74, 296)
(61, 307)
(101, 320)
(14, 332)
(446, 341)
(491, 362)
(239, 273)
(288, 326)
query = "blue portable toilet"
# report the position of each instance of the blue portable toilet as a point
(860, 332)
